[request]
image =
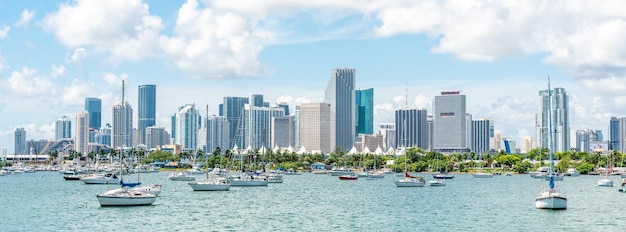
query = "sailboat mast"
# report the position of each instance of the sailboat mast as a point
(550, 142)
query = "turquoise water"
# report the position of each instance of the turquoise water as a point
(43, 201)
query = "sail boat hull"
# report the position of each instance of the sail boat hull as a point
(124, 197)
(551, 201)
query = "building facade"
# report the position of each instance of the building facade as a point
(93, 106)
(63, 128)
(187, 124)
(340, 95)
(388, 131)
(450, 123)
(283, 131)
(257, 125)
(81, 141)
(555, 100)
(20, 142)
(232, 109)
(411, 128)
(582, 140)
(218, 133)
(315, 130)
(146, 110)
(156, 137)
(480, 136)
(365, 111)
(122, 129)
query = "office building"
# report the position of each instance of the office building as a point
(93, 106)
(187, 124)
(20, 142)
(156, 137)
(257, 123)
(411, 128)
(232, 108)
(146, 110)
(480, 129)
(388, 131)
(450, 135)
(341, 97)
(218, 133)
(365, 111)
(283, 131)
(315, 128)
(583, 140)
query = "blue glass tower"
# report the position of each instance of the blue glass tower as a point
(365, 111)
(93, 106)
(232, 109)
(340, 95)
(147, 109)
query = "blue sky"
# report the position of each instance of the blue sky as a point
(498, 53)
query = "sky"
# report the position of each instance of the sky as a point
(498, 53)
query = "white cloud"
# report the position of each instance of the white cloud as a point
(125, 30)
(115, 80)
(209, 43)
(58, 71)
(27, 82)
(78, 55)
(25, 18)
(4, 32)
(3, 64)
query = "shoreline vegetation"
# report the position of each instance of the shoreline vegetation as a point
(418, 160)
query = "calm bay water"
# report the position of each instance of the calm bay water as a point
(43, 201)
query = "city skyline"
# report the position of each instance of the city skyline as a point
(499, 54)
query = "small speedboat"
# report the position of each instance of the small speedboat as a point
(348, 177)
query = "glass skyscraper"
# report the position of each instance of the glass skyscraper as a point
(20, 142)
(147, 109)
(365, 111)
(232, 109)
(121, 134)
(411, 128)
(340, 95)
(63, 128)
(93, 106)
(558, 102)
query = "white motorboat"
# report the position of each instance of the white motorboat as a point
(152, 189)
(436, 182)
(572, 172)
(274, 178)
(125, 197)
(557, 177)
(181, 176)
(375, 175)
(211, 184)
(108, 178)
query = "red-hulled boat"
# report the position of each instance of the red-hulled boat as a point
(348, 177)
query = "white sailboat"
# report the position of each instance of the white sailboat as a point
(606, 181)
(125, 195)
(551, 197)
(436, 182)
(409, 181)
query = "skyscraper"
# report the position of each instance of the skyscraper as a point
(20, 142)
(187, 126)
(388, 131)
(285, 107)
(156, 137)
(450, 122)
(365, 111)
(340, 95)
(411, 128)
(558, 102)
(63, 128)
(257, 123)
(283, 130)
(93, 106)
(315, 132)
(582, 140)
(218, 133)
(256, 100)
(480, 136)
(614, 134)
(122, 131)
(81, 141)
(146, 109)
(232, 109)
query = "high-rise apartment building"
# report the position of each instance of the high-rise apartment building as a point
(93, 106)
(156, 137)
(257, 122)
(411, 128)
(81, 141)
(285, 107)
(582, 140)
(187, 125)
(341, 97)
(256, 100)
(218, 133)
(557, 101)
(146, 108)
(388, 131)
(232, 108)
(480, 136)
(122, 130)
(365, 111)
(430, 124)
(63, 128)
(20, 142)
(315, 130)
(450, 123)
(104, 135)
